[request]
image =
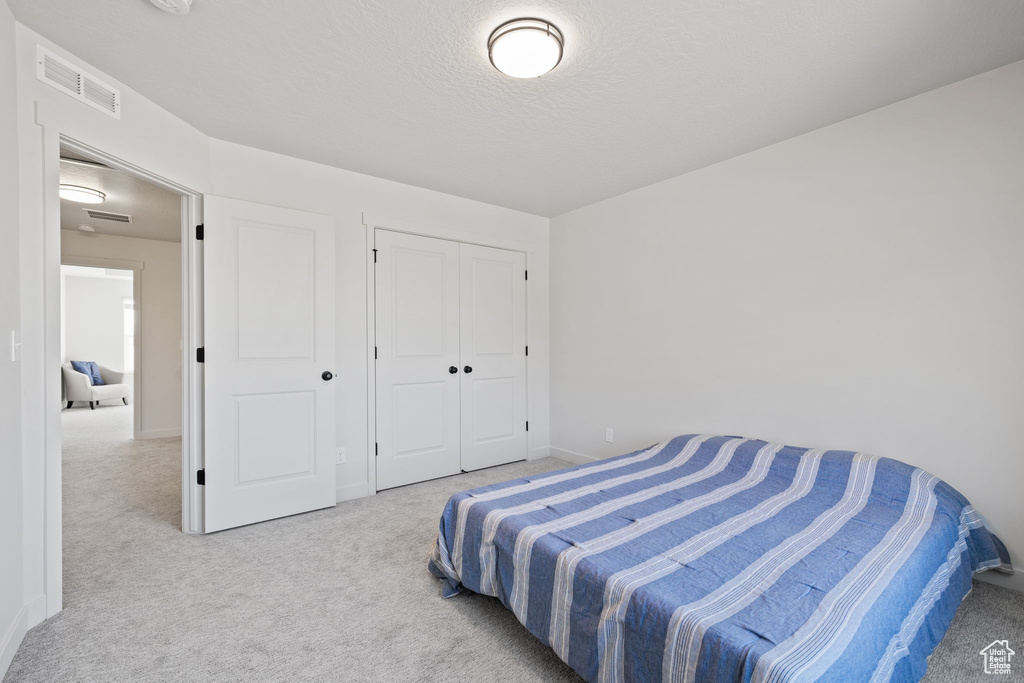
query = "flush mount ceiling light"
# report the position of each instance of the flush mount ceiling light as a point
(525, 48)
(82, 195)
(173, 6)
(86, 228)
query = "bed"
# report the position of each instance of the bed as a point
(716, 558)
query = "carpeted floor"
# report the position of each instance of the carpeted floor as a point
(336, 595)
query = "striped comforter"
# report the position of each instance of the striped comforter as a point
(714, 558)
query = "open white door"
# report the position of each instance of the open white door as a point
(269, 358)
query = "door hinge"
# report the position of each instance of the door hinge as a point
(527, 350)
(375, 353)
(526, 275)
(201, 354)
(201, 477)
(527, 425)
(374, 255)
(376, 449)
(199, 231)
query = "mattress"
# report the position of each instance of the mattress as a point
(717, 558)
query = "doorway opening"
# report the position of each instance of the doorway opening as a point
(97, 315)
(121, 354)
(76, 233)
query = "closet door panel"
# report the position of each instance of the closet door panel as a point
(493, 351)
(417, 333)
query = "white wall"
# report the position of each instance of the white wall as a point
(159, 311)
(94, 320)
(13, 619)
(146, 136)
(153, 139)
(250, 174)
(857, 287)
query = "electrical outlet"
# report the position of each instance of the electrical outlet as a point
(609, 435)
(340, 456)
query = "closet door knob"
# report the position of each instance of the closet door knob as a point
(467, 369)
(327, 376)
(453, 369)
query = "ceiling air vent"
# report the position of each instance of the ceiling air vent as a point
(70, 80)
(107, 216)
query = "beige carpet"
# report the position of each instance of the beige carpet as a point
(336, 595)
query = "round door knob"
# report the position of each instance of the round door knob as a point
(453, 369)
(327, 376)
(468, 369)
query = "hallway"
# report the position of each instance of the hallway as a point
(98, 447)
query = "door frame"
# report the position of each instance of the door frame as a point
(191, 329)
(372, 222)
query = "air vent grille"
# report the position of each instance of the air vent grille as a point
(61, 75)
(69, 79)
(99, 95)
(107, 216)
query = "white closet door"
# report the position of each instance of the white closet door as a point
(417, 331)
(493, 350)
(269, 342)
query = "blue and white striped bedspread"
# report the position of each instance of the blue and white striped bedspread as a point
(714, 558)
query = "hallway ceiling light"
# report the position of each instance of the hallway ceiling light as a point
(525, 48)
(83, 195)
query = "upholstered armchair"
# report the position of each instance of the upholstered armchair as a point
(78, 386)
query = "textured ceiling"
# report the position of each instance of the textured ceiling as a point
(648, 89)
(155, 212)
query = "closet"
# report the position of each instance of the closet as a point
(451, 353)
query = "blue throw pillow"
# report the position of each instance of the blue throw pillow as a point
(88, 368)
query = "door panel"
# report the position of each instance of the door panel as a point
(419, 297)
(492, 308)
(417, 332)
(268, 335)
(493, 333)
(494, 408)
(276, 301)
(420, 414)
(260, 438)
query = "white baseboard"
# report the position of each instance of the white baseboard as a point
(572, 456)
(35, 612)
(1014, 582)
(12, 640)
(353, 491)
(159, 433)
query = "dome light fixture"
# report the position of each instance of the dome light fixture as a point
(178, 7)
(525, 48)
(82, 195)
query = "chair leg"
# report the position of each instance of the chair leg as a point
(125, 399)
(70, 403)
(92, 405)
